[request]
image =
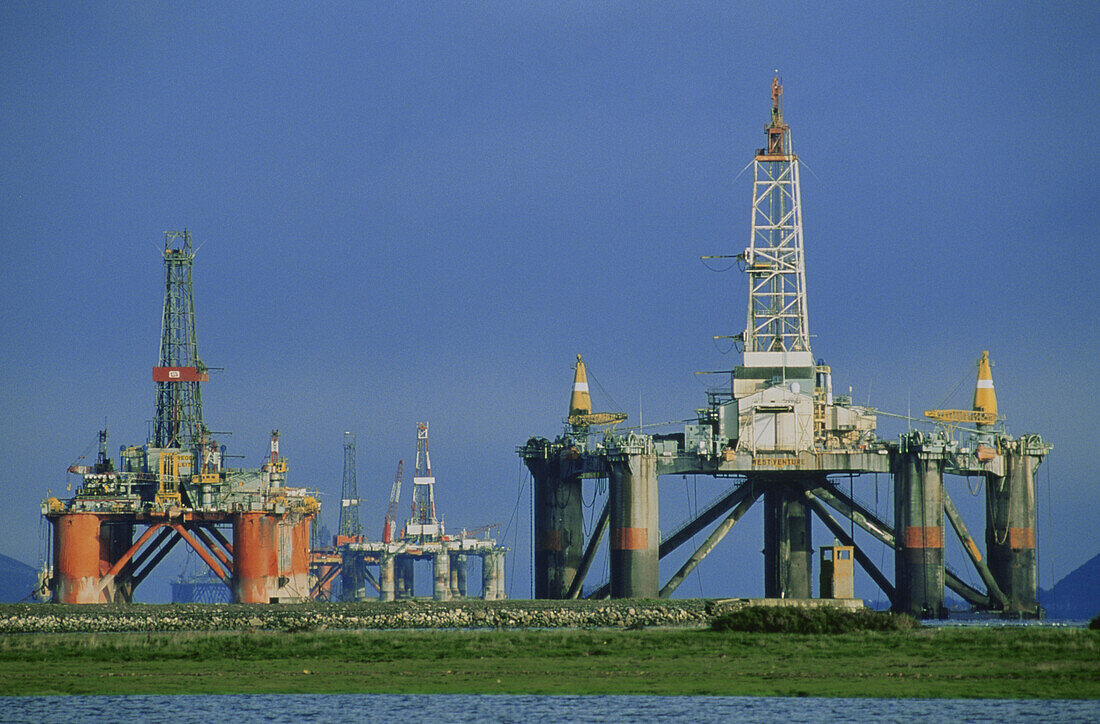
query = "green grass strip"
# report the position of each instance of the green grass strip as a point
(945, 662)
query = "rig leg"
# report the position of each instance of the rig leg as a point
(405, 568)
(76, 558)
(352, 581)
(458, 575)
(1010, 532)
(115, 541)
(488, 574)
(498, 575)
(442, 570)
(386, 569)
(559, 530)
(788, 543)
(634, 533)
(918, 516)
(293, 559)
(255, 558)
(85, 548)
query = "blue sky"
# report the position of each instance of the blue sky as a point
(425, 210)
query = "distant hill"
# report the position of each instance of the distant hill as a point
(17, 580)
(1077, 596)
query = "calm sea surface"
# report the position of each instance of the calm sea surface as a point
(452, 708)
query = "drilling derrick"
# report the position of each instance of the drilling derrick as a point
(177, 422)
(777, 319)
(423, 524)
(350, 528)
(778, 372)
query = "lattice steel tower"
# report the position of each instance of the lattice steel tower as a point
(423, 523)
(349, 498)
(178, 418)
(777, 320)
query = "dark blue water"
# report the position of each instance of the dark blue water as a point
(452, 708)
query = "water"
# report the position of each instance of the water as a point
(246, 708)
(990, 622)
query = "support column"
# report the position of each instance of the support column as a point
(442, 568)
(293, 554)
(788, 543)
(559, 528)
(385, 570)
(918, 528)
(352, 581)
(634, 532)
(255, 560)
(76, 556)
(115, 540)
(1010, 531)
(299, 559)
(500, 593)
(405, 570)
(458, 575)
(488, 576)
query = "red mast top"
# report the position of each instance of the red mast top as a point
(777, 130)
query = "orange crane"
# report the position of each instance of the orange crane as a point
(395, 496)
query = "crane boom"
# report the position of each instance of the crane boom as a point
(395, 497)
(476, 532)
(985, 401)
(979, 417)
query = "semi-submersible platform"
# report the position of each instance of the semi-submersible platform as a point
(778, 430)
(178, 487)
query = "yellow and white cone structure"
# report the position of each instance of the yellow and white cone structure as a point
(581, 416)
(985, 402)
(985, 399)
(580, 402)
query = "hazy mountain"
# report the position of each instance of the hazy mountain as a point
(1077, 596)
(17, 580)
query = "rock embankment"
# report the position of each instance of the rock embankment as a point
(471, 614)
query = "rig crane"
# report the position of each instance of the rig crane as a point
(580, 404)
(983, 414)
(984, 410)
(477, 532)
(395, 497)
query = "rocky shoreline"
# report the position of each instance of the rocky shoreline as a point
(468, 614)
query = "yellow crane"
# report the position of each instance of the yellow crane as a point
(580, 403)
(984, 410)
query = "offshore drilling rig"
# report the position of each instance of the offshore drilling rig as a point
(423, 537)
(178, 487)
(778, 430)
